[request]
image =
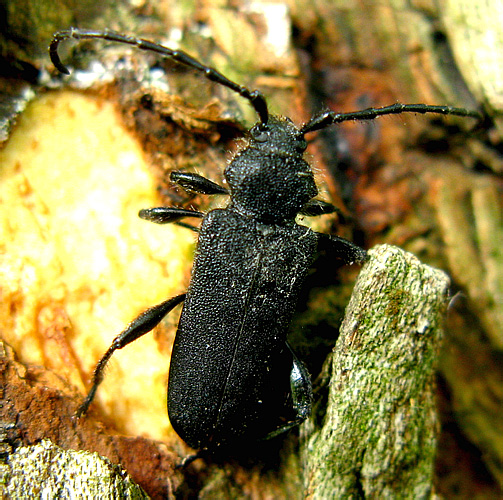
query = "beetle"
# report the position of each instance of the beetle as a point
(233, 377)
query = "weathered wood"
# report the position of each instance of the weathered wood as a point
(378, 438)
(48, 471)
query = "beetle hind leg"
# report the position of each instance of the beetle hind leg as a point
(301, 393)
(143, 324)
(302, 390)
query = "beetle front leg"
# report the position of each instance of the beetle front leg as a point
(195, 183)
(143, 324)
(165, 215)
(342, 249)
(192, 183)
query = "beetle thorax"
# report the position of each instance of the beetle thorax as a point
(269, 180)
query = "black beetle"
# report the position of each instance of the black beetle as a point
(233, 376)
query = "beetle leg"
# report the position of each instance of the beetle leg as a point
(341, 249)
(164, 215)
(190, 458)
(314, 207)
(302, 389)
(143, 324)
(195, 183)
(302, 395)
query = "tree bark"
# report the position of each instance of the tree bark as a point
(379, 434)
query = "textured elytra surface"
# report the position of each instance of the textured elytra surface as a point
(230, 366)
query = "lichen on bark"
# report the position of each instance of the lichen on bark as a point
(379, 434)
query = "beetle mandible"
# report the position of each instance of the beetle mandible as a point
(232, 374)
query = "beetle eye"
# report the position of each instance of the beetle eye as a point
(259, 133)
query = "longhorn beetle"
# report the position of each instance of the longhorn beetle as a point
(233, 376)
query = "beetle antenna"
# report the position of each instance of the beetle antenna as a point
(327, 118)
(256, 98)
